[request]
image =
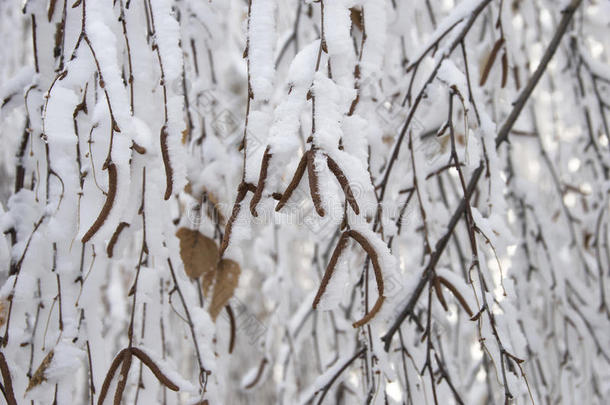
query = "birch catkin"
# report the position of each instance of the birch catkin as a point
(110, 196)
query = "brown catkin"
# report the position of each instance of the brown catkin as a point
(122, 383)
(331, 267)
(115, 237)
(457, 294)
(110, 196)
(8, 381)
(261, 182)
(110, 375)
(367, 317)
(368, 248)
(296, 179)
(439, 294)
(516, 77)
(258, 376)
(491, 60)
(504, 69)
(349, 195)
(169, 171)
(163, 379)
(314, 186)
(51, 9)
(232, 325)
(241, 194)
(138, 148)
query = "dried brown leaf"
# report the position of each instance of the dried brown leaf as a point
(189, 189)
(198, 252)
(356, 17)
(226, 280)
(39, 375)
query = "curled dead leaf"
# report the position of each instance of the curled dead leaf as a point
(39, 375)
(388, 139)
(356, 17)
(185, 135)
(198, 252)
(225, 282)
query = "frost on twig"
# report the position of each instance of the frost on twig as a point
(333, 201)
